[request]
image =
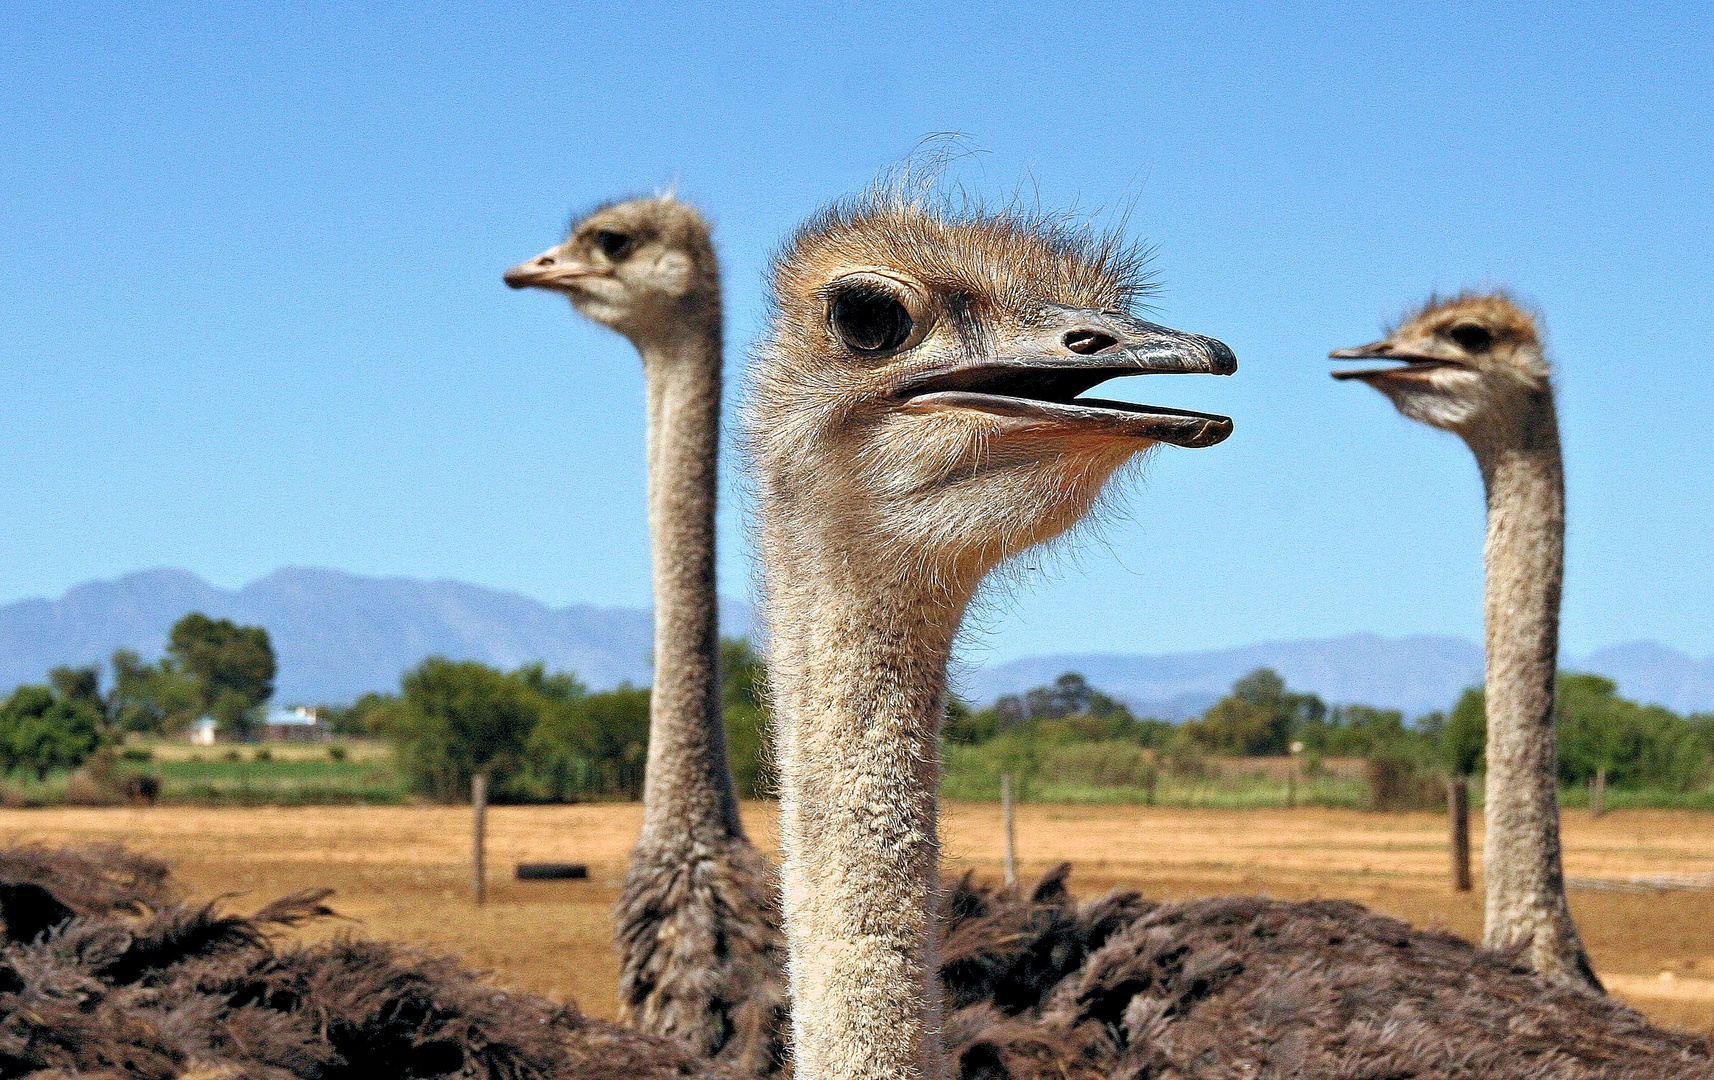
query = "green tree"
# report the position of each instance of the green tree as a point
(233, 665)
(1353, 731)
(454, 719)
(1259, 716)
(594, 746)
(79, 684)
(1464, 738)
(558, 686)
(1638, 745)
(153, 699)
(370, 715)
(41, 731)
(1068, 695)
(966, 726)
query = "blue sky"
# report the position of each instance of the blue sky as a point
(251, 311)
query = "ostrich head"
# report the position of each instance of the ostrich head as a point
(644, 267)
(1466, 363)
(920, 384)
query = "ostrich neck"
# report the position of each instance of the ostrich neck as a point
(687, 787)
(1525, 483)
(859, 658)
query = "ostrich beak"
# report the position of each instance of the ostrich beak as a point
(1414, 362)
(1036, 377)
(549, 270)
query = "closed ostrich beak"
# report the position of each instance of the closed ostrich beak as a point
(549, 270)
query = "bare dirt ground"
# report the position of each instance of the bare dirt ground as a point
(404, 873)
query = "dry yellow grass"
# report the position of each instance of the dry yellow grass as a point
(403, 872)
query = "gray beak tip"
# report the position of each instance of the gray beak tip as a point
(1221, 359)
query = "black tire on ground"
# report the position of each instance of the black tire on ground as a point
(551, 871)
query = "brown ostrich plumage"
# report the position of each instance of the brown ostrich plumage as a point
(1039, 987)
(1238, 987)
(701, 953)
(131, 983)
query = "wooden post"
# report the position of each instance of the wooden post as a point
(1291, 786)
(479, 803)
(1011, 836)
(1598, 792)
(1458, 806)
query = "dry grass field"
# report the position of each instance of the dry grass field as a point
(403, 872)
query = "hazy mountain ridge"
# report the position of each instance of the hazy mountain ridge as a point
(337, 635)
(340, 635)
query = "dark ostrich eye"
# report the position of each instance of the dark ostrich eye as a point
(1471, 337)
(871, 320)
(614, 245)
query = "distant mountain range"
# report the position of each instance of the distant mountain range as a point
(341, 635)
(337, 635)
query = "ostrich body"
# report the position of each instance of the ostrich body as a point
(912, 427)
(697, 924)
(1474, 365)
(124, 979)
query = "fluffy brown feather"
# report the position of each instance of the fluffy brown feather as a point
(192, 993)
(698, 935)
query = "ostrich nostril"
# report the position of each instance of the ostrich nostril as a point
(1085, 342)
(545, 260)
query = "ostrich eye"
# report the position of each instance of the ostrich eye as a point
(1471, 337)
(870, 320)
(614, 245)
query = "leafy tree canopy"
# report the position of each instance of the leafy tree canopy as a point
(41, 730)
(233, 666)
(455, 719)
(1259, 716)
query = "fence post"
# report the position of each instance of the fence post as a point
(1011, 836)
(479, 837)
(1458, 805)
(1598, 792)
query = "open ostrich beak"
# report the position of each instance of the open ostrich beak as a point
(549, 270)
(1036, 377)
(1414, 362)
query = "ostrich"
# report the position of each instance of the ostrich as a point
(697, 924)
(911, 427)
(104, 970)
(1474, 365)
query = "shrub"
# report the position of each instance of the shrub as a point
(455, 718)
(1399, 781)
(593, 747)
(41, 731)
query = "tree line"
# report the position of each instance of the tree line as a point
(211, 667)
(542, 737)
(1633, 745)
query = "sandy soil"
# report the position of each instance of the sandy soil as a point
(404, 872)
